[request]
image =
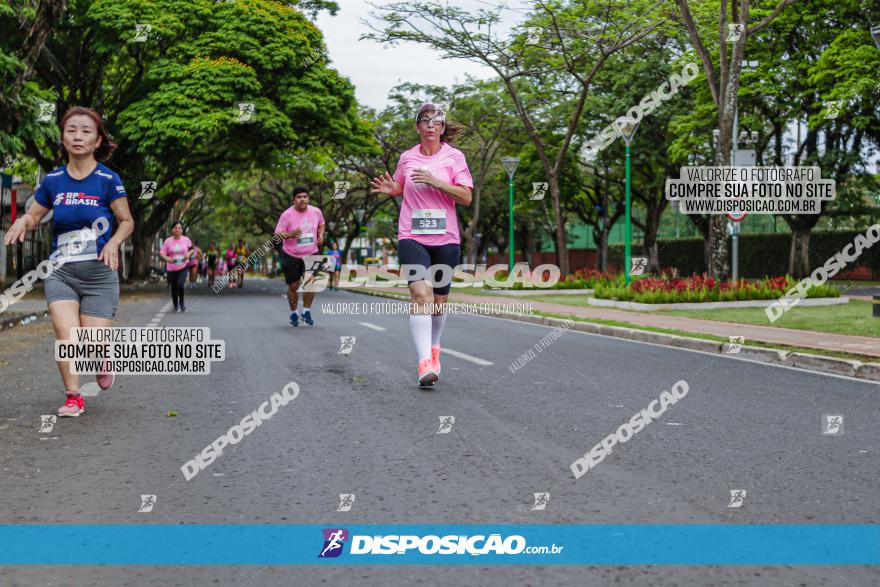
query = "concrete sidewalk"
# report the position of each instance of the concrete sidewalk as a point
(859, 345)
(34, 303)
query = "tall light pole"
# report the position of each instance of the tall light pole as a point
(627, 127)
(735, 226)
(510, 164)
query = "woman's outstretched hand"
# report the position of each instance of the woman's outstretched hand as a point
(383, 185)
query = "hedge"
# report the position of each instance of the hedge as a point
(759, 254)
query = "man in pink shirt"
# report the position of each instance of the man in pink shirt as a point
(432, 177)
(302, 228)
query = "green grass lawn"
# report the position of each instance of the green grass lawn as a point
(474, 290)
(791, 349)
(569, 300)
(852, 318)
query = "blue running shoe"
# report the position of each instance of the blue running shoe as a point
(294, 319)
(307, 317)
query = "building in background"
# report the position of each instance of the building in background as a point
(16, 260)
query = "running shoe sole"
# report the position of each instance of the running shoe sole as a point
(428, 379)
(102, 380)
(76, 415)
(73, 415)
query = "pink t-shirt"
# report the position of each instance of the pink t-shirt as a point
(177, 250)
(432, 211)
(308, 222)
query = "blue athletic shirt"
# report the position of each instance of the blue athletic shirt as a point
(77, 203)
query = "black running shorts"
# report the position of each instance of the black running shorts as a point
(411, 252)
(293, 267)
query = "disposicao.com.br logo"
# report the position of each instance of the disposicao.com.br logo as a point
(494, 544)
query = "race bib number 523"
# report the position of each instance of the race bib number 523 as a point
(429, 221)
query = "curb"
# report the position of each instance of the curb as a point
(10, 322)
(642, 307)
(514, 293)
(13, 321)
(806, 361)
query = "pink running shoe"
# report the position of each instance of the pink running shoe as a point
(73, 407)
(105, 379)
(427, 374)
(435, 358)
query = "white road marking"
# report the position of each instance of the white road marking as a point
(154, 322)
(372, 326)
(466, 357)
(674, 424)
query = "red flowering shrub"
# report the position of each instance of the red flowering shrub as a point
(699, 288)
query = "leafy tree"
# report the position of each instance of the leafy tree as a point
(549, 66)
(629, 77)
(723, 83)
(24, 29)
(170, 99)
(814, 52)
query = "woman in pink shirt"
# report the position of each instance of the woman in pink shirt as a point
(193, 265)
(176, 251)
(432, 177)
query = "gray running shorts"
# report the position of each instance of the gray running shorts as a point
(91, 283)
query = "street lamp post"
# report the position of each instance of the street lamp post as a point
(510, 164)
(627, 127)
(735, 227)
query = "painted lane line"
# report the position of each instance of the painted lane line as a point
(372, 326)
(466, 357)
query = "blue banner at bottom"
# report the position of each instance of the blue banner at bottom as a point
(426, 544)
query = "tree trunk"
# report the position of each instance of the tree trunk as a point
(471, 248)
(561, 246)
(652, 227)
(470, 233)
(649, 246)
(718, 265)
(601, 238)
(799, 253)
(142, 244)
(529, 246)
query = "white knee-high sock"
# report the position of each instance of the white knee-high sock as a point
(438, 321)
(420, 328)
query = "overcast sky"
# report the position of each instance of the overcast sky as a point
(375, 70)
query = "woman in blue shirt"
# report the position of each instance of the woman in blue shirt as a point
(334, 252)
(86, 197)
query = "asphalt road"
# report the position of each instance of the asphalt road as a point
(361, 426)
